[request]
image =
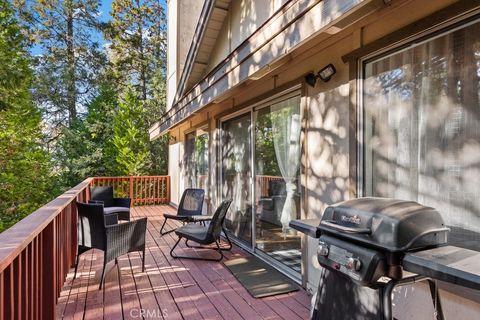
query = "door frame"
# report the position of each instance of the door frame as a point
(222, 120)
(250, 109)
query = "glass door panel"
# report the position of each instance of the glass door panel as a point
(277, 181)
(201, 160)
(236, 176)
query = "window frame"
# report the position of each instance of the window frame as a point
(406, 44)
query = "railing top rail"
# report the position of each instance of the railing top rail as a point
(16, 238)
(128, 177)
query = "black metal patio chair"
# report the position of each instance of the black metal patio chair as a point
(204, 235)
(191, 205)
(102, 231)
(104, 195)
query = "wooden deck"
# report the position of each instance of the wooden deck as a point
(169, 288)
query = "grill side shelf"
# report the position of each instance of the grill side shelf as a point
(450, 264)
(307, 226)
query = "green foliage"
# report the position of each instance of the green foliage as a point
(81, 110)
(266, 159)
(130, 137)
(25, 182)
(66, 71)
(137, 33)
(86, 148)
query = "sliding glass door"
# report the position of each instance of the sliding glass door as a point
(277, 177)
(260, 172)
(237, 175)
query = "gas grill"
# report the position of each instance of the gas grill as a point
(363, 244)
(367, 238)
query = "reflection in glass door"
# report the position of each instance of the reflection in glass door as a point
(277, 181)
(236, 176)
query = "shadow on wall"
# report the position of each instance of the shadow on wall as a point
(327, 163)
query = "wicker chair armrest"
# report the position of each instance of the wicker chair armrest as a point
(111, 219)
(96, 202)
(122, 202)
(125, 237)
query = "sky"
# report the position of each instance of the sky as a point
(105, 7)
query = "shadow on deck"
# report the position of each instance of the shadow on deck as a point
(169, 288)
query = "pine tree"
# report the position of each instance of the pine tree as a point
(137, 33)
(24, 166)
(130, 137)
(67, 68)
(86, 147)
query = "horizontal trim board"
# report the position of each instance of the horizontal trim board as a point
(413, 29)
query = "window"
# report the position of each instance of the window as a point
(196, 160)
(422, 128)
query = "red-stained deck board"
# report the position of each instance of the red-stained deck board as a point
(94, 299)
(169, 288)
(112, 308)
(201, 302)
(214, 304)
(186, 276)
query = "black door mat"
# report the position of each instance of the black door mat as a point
(260, 279)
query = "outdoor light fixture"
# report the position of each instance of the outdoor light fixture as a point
(324, 74)
(311, 79)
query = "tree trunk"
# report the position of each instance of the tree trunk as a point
(70, 79)
(143, 69)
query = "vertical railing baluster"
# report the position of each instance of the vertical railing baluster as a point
(155, 190)
(131, 190)
(33, 279)
(48, 278)
(150, 190)
(17, 284)
(9, 293)
(24, 288)
(168, 189)
(40, 273)
(31, 270)
(2, 295)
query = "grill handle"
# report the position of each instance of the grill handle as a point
(334, 225)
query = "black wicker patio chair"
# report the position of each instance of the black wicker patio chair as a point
(104, 195)
(191, 205)
(102, 231)
(204, 235)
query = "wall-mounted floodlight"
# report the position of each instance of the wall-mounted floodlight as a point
(324, 74)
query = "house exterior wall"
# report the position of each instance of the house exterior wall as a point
(171, 51)
(244, 17)
(329, 129)
(182, 20)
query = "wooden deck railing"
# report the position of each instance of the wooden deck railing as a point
(37, 253)
(141, 189)
(263, 183)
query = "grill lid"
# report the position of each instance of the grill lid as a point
(389, 224)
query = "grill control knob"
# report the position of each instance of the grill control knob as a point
(322, 250)
(353, 264)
